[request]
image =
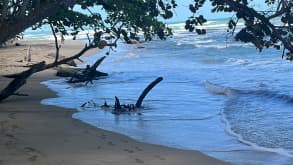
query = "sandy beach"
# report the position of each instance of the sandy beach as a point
(32, 133)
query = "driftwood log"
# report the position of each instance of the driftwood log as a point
(119, 108)
(82, 74)
(146, 91)
(70, 72)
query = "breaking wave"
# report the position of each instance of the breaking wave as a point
(259, 118)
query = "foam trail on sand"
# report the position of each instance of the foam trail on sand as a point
(219, 90)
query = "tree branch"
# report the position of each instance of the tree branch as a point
(56, 43)
(21, 78)
(262, 18)
(280, 12)
(65, 60)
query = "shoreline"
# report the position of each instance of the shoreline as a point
(33, 133)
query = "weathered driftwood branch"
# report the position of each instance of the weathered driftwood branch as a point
(146, 91)
(88, 74)
(117, 105)
(119, 108)
(97, 63)
(70, 72)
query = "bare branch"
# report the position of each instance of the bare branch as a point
(57, 46)
(281, 11)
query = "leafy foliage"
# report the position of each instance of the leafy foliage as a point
(262, 28)
(128, 19)
(124, 19)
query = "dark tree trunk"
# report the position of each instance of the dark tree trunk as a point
(20, 80)
(12, 26)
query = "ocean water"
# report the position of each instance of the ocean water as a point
(218, 96)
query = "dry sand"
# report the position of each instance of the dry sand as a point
(32, 133)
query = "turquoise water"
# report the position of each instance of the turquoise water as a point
(244, 116)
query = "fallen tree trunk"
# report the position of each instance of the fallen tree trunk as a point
(19, 81)
(119, 108)
(146, 91)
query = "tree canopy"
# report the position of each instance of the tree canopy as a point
(131, 19)
(124, 18)
(271, 27)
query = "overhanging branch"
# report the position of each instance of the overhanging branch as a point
(20, 79)
(249, 11)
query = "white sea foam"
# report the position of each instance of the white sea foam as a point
(126, 57)
(280, 151)
(234, 61)
(217, 89)
(180, 27)
(181, 103)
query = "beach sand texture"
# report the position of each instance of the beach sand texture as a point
(32, 133)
